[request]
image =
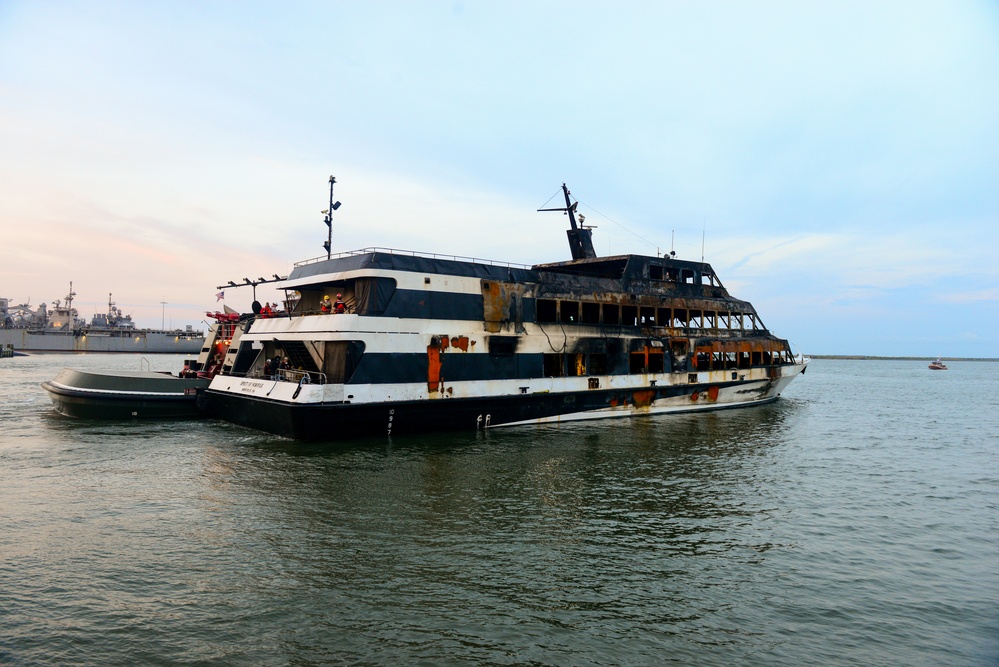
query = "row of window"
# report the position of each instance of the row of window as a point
(570, 365)
(677, 275)
(704, 361)
(587, 312)
(654, 361)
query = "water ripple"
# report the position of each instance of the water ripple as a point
(852, 522)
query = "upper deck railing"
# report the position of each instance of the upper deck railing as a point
(413, 253)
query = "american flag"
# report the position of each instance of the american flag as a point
(219, 296)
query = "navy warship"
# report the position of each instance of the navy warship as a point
(61, 329)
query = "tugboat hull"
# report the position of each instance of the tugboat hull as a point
(124, 395)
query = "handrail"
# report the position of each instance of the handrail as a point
(411, 253)
(294, 375)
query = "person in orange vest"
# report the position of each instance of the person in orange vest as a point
(325, 304)
(339, 306)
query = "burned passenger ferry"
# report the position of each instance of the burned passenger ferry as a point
(429, 343)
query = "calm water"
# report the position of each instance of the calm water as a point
(854, 522)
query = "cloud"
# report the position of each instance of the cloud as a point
(838, 158)
(984, 296)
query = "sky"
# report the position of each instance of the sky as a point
(835, 162)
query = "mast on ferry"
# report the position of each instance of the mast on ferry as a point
(329, 220)
(580, 238)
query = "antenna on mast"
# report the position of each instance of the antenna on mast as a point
(580, 238)
(69, 297)
(329, 221)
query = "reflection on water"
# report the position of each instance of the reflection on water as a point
(545, 529)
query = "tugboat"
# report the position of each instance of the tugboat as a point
(104, 394)
(429, 342)
(938, 365)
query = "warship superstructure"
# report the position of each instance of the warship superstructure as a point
(61, 329)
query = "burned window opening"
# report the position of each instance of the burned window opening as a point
(647, 360)
(503, 346)
(629, 316)
(547, 310)
(568, 312)
(553, 365)
(598, 364)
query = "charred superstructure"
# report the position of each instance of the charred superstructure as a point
(429, 342)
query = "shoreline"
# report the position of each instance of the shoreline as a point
(864, 357)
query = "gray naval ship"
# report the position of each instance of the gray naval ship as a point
(61, 329)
